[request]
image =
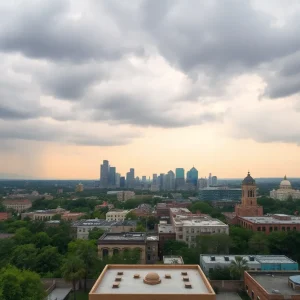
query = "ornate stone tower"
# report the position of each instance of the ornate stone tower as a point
(248, 207)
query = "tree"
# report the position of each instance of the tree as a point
(41, 239)
(220, 273)
(258, 244)
(48, 261)
(240, 237)
(140, 228)
(218, 243)
(23, 236)
(72, 271)
(7, 247)
(131, 216)
(87, 252)
(20, 285)
(172, 247)
(24, 256)
(96, 233)
(237, 267)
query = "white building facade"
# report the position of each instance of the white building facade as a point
(116, 215)
(285, 191)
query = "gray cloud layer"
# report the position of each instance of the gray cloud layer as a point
(81, 53)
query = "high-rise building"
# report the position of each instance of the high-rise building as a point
(209, 179)
(169, 181)
(214, 180)
(192, 176)
(112, 176)
(118, 176)
(122, 182)
(104, 174)
(161, 180)
(179, 181)
(144, 179)
(154, 179)
(130, 180)
(202, 183)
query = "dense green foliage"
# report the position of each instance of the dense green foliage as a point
(270, 205)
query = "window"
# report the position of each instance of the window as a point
(258, 229)
(288, 229)
(275, 228)
(252, 295)
(247, 288)
(283, 228)
(264, 229)
(271, 229)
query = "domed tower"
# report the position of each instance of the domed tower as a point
(248, 206)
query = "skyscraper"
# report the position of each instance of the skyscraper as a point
(214, 180)
(144, 179)
(161, 180)
(130, 180)
(104, 172)
(118, 176)
(154, 179)
(179, 181)
(112, 176)
(192, 176)
(202, 183)
(122, 182)
(209, 179)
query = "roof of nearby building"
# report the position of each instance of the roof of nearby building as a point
(123, 236)
(102, 222)
(6, 235)
(276, 282)
(272, 220)
(151, 280)
(197, 221)
(165, 228)
(172, 260)
(257, 259)
(17, 201)
(295, 279)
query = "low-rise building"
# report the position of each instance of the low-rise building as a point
(172, 260)
(143, 210)
(285, 191)
(272, 285)
(148, 282)
(18, 205)
(220, 193)
(113, 243)
(4, 216)
(45, 215)
(79, 188)
(116, 215)
(188, 226)
(125, 195)
(166, 232)
(82, 228)
(209, 262)
(270, 223)
(68, 216)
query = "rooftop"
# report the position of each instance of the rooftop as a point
(197, 221)
(257, 259)
(272, 220)
(165, 228)
(275, 282)
(173, 260)
(134, 279)
(102, 222)
(123, 236)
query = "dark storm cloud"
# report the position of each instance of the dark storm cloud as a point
(42, 131)
(129, 109)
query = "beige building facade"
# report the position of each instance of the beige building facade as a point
(116, 215)
(285, 191)
(125, 195)
(152, 282)
(19, 205)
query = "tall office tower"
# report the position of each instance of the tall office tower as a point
(170, 181)
(130, 179)
(161, 180)
(112, 176)
(104, 173)
(154, 179)
(122, 182)
(179, 181)
(202, 183)
(118, 176)
(192, 176)
(144, 179)
(214, 180)
(209, 179)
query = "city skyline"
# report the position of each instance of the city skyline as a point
(150, 84)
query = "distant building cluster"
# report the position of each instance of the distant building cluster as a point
(170, 181)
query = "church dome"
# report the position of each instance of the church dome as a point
(285, 184)
(152, 278)
(248, 180)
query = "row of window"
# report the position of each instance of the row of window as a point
(283, 228)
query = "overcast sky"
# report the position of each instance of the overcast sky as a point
(149, 84)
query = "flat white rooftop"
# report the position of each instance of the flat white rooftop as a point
(271, 220)
(131, 285)
(165, 228)
(193, 221)
(172, 259)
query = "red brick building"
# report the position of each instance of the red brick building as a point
(4, 216)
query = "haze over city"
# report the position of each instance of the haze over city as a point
(150, 85)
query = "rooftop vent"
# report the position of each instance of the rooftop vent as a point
(120, 273)
(116, 285)
(186, 279)
(226, 258)
(118, 278)
(183, 273)
(251, 258)
(188, 286)
(136, 276)
(212, 258)
(168, 276)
